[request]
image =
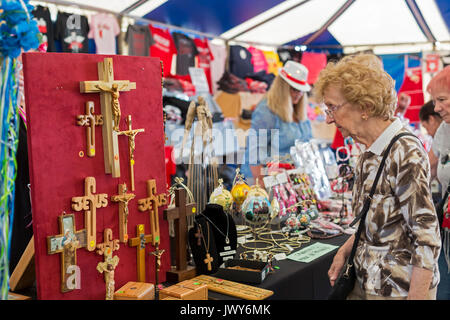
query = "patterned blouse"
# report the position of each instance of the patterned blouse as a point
(401, 227)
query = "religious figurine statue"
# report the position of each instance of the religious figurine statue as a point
(108, 267)
(114, 90)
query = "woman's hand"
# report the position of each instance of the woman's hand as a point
(336, 266)
(339, 259)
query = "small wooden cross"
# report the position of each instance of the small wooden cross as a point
(109, 100)
(157, 253)
(151, 204)
(179, 214)
(110, 263)
(67, 244)
(208, 261)
(90, 120)
(131, 133)
(89, 203)
(140, 242)
(123, 198)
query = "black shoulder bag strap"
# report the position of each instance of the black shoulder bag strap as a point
(366, 207)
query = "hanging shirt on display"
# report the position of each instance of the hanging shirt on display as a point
(139, 40)
(163, 48)
(186, 53)
(218, 64)
(72, 31)
(259, 61)
(45, 25)
(273, 61)
(104, 29)
(205, 57)
(240, 61)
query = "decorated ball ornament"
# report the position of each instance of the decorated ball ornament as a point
(256, 209)
(221, 196)
(257, 190)
(240, 189)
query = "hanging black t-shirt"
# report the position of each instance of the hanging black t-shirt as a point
(240, 61)
(139, 39)
(45, 25)
(72, 31)
(186, 52)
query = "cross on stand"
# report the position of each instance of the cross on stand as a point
(151, 204)
(110, 263)
(90, 120)
(140, 242)
(109, 100)
(67, 244)
(123, 198)
(89, 204)
(178, 214)
(131, 133)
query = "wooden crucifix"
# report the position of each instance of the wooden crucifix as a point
(178, 214)
(110, 263)
(123, 198)
(140, 242)
(157, 253)
(90, 120)
(67, 244)
(89, 203)
(151, 204)
(131, 133)
(109, 90)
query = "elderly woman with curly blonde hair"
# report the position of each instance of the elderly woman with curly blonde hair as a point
(399, 245)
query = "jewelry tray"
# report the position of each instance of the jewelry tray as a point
(244, 275)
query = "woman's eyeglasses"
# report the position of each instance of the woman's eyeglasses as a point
(331, 109)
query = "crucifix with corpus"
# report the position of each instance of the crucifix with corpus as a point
(151, 204)
(131, 134)
(89, 203)
(123, 198)
(67, 244)
(178, 214)
(109, 90)
(110, 263)
(90, 120)
(140, 243)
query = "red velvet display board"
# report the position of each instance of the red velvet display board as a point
(57, 171)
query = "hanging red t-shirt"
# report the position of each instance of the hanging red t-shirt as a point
(163, 48)
(205, 57)
(412, 86)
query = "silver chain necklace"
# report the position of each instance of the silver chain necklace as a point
(227, 240)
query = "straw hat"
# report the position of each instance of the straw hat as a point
(296, 75)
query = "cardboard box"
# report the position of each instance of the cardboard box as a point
(244, 275)
(136, 291)
(185, 290)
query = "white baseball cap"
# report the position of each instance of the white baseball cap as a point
(296, 75)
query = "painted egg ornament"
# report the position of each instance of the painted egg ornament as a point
(304, 219)
(239, 192)
(292, 222)
(256, 209)
(221, 196)
(313, 212)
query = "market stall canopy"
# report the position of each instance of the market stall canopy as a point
(405, 24)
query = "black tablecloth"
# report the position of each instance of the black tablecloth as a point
(297, 280)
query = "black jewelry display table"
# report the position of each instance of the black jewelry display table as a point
(297, 280)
